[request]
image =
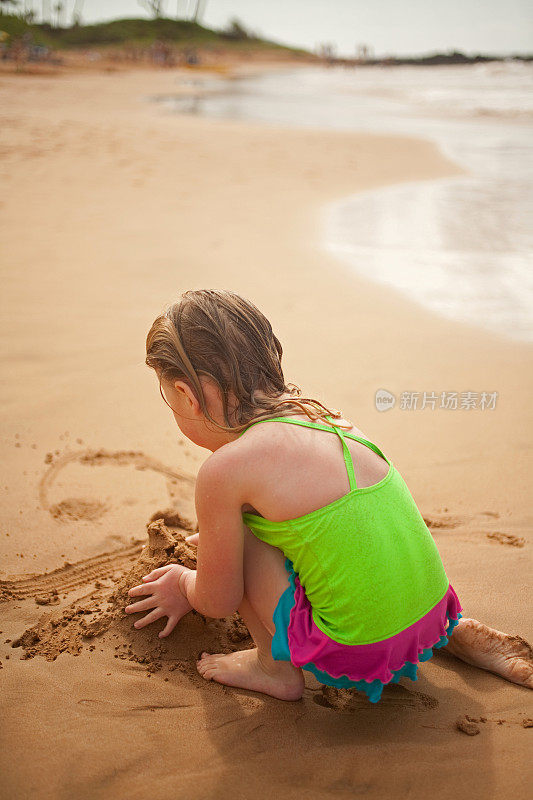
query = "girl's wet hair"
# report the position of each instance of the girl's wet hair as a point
(219, 334)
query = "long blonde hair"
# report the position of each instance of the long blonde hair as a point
(224, 336)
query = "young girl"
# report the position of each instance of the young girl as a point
(305, 527)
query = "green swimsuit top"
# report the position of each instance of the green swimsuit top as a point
(367, 561)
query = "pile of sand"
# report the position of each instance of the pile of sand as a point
(83, 622)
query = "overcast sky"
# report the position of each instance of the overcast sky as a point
(402, 27)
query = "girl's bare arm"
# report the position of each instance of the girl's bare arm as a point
(216, 588)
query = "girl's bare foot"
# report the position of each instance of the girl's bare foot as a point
(246, 670)
(484, 647)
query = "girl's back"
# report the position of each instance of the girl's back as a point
(365, 558)
(300, 469)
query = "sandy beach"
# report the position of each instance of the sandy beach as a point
(111, 205)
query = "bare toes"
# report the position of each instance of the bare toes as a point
(207, 672)
(208, 657)
(210, 673)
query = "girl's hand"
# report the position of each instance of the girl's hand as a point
(193, 538)
(166, 598)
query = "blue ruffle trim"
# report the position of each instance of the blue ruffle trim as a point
(372, 689)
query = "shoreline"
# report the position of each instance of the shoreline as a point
(505, 299)
(333, 247)
(112, 207)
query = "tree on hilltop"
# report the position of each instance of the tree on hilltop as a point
(155, 7)
(5, 3)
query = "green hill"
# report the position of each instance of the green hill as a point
(142, 32)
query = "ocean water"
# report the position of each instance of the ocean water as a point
(461, 246)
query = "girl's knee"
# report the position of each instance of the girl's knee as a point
(265, 576)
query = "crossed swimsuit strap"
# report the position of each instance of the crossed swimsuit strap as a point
(347, 456)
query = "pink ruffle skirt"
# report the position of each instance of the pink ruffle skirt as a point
(366, 667)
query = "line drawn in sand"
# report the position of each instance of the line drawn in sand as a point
(76, 508)
(45, 587)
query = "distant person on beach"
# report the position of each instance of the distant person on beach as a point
(305, 527)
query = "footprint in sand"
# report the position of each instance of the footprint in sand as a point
(443, 521)
(506, 538)
(352, 701)
(446, 522)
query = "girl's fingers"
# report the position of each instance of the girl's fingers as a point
(193, 538)
(142, 605)
(169, 627)
(155, 614)
(156, 573)
(142, 588)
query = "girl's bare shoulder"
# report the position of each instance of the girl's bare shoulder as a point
(269, 433)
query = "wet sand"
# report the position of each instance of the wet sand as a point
(111, 206)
